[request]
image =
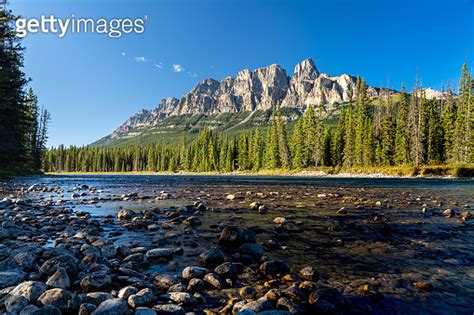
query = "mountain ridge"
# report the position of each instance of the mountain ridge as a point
(258, 90)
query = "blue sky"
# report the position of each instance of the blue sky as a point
(90, 88)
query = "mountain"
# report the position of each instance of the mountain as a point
(246, 93)
(249, 91)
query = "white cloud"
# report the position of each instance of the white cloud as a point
(159, 65)
(178, 68)
(123, 54)
(140, 59)
(192, 74)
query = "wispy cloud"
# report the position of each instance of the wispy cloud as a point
(159, 65)
(140, 59)
(178, 68)
(123, 54)
(192, 74)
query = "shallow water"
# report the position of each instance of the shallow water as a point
(389, 247)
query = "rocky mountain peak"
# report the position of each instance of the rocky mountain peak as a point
(260, 89)
(305, 71)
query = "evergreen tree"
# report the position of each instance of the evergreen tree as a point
(284, 152)
(361, 129)
(434, 134)
(402, 140)
(463, 137)
(272, 147)
(327, 153)
(339, 140)
(15, 123)
(387, 140)
(310, 131)
(349, 139)
(297, 145)
(243, 150)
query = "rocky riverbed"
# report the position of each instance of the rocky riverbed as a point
(177, 245)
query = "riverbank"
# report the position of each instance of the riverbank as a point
(438, 171)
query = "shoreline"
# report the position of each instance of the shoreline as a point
(440, 172)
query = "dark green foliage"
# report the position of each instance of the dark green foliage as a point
(402, 138)
(23, 126)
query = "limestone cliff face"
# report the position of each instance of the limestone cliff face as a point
(261, 89)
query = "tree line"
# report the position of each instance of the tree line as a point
(23, 124)
(401, 129)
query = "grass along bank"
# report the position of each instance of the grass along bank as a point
(464, 171)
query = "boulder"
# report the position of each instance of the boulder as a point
(165, 281)
(309, 273)
(169, 309)
(66, 301)
(192, 221)
(183, 298)
(214, 280)
(252, 249)
(160, 253)
(211, 257)
(232, 236)
(229, 269)
(126, 214)
(11, 278)
(194, 272)
(95, 282)
(141, 298)
(274, 268)
(67, 262)
(30, 290)
(59, 279)
(125, 292)
(111, 307)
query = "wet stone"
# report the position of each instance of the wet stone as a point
(169, 309)
(449, 213)
(30, 290)
(229, 269)
(160, 253)
(64, 300)
(295, 293)
(144, 311)
(125, 292)
(95, 282)
(192, 221)
(165, 281)
(141, 298)
(195, 285)
(274, 268)
(111, 307)
(211, 257)
(67, 262)
(96, 297)
(214, 280)
(232, 236)
(309, 273)
(182, 298)
(194, 272)
(252, 249)
(59, 279)
(86, 309)
(257, 306)
(15, 303)
(10, 278)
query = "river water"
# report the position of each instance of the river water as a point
(384, 240)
